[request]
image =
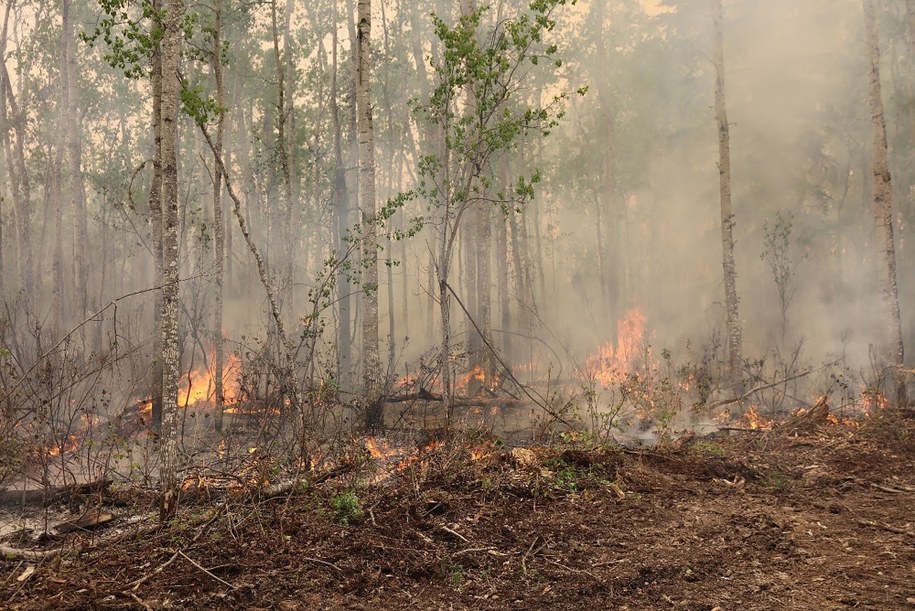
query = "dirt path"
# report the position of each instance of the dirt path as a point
(772, 520)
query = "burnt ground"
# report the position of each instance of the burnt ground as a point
(822, 519)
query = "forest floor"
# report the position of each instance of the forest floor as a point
(786, 519)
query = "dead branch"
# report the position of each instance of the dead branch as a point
(757, 389)
(894, 489)
(541, 401)
(13, 553)
(887, 527)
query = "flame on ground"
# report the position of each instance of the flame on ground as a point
(70, 444)
(395, 459)
(611, 364)
(754, 421)
(199, 386)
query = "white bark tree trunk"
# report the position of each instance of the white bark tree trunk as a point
(371, 359)
(171, 50)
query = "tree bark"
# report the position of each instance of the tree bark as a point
(155, 219)
(22, 202)
(75, 185)
(171, 51)
(371, 360)
(731, 301)
(341, 208)
(218, 220)
(892, 344)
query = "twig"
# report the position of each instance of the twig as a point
(220, 580)
(757, 389)
(539, 400)
(455, 533)
(570, 569)
(472, 550)
(324, 562)
(136, 584)
(113, 303)
(140, 601)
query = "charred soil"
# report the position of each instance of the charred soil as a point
(786, 519)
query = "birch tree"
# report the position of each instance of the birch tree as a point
(171, 52)
(371, 361)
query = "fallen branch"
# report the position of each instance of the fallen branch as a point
(887, 527)
(13, 553)
(899, 490)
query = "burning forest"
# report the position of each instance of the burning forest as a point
(414, 290)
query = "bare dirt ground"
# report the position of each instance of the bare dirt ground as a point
(787, 519)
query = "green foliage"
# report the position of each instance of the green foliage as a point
(132, 30)
(347, 507)
(203, 109)
(477, 107)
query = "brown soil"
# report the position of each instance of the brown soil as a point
(823, 519)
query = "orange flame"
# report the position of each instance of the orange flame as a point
(871, 400)
(69, 445)
(199, 387)
(611, 364)
(755, 421)
(477, 373)
(382, 450)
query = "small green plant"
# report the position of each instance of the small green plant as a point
(565, 476)
(777, 481)
(347, 507)
(454, 572)
(709, 448)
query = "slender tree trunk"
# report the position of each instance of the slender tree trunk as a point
(731, 302)
(372, 362)
(484, 292)
(4, 150)
(155, 219)
(55, 181)
(218, 220)
(58, 291)
(883, 209)
(22, 203)
(75, 186)
(341, 207)
(171, 51)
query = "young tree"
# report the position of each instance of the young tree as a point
(474, 106)
(883, 208)
(731, 301)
